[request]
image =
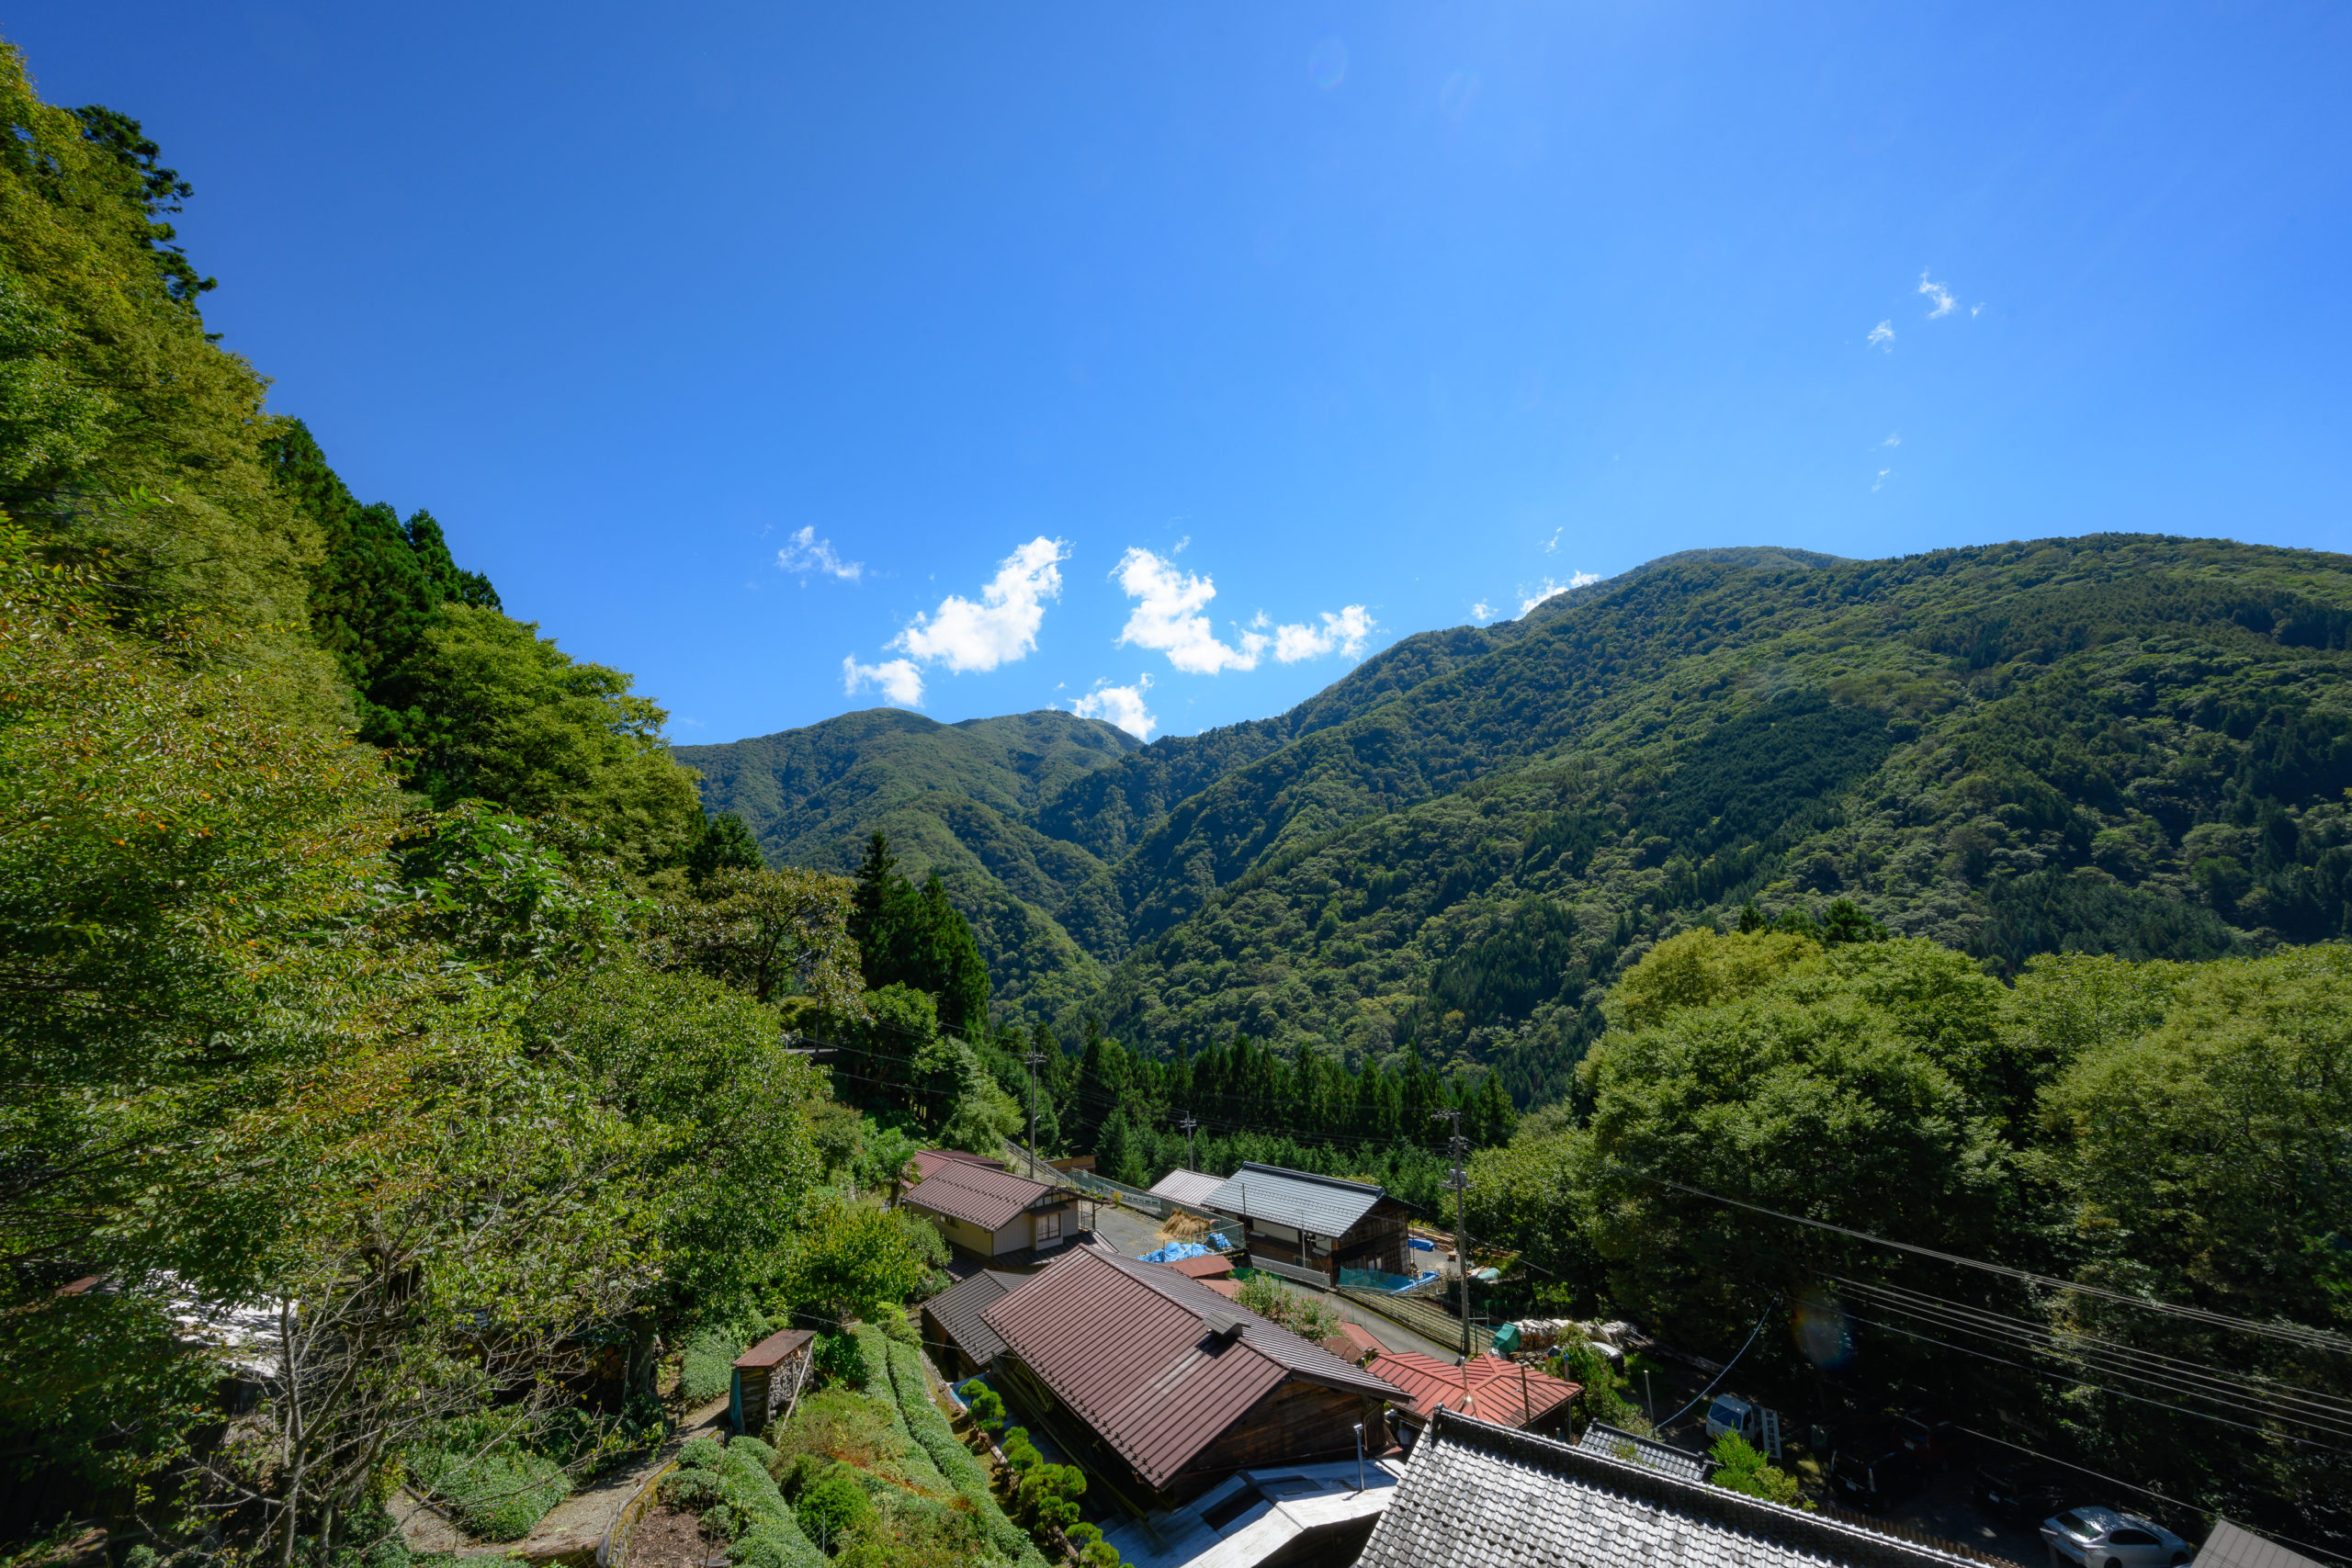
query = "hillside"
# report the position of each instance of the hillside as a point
(2119, 743)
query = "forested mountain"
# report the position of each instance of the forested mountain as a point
(2118, 743)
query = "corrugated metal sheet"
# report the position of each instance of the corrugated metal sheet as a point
(1125, 1345)
(1501, 1392)
(1190, 1187)
(929, 1161)
(988, 1198)
(1213, 1267)
(2231, 1547)
(775, 1348)
(1301, 1199)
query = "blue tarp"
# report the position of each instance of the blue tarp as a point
(1177, 1251)
(1417, 1245)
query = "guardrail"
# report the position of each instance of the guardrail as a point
(1135, 1198)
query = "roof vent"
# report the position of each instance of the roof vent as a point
(1222, 1324)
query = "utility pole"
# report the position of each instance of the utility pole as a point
(1456, 1146)
(1188, 1125)
(1033, 1058)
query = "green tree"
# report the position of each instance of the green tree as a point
(1741, 1468)
(510, 719)
(725, 843)
(771, 934)
(849, 1260)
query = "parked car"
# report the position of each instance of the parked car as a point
(1874, 1468)
(2019, 1493)
(1934, 1441)
(2102, 1537)
(1730, 1414)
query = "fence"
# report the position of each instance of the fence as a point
(1423, 1317)
(1134, 1198)
(1388, 1284)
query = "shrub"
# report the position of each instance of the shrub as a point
(834, 1509)
(987, 1405)
(1047, 1497)
(839, 1361)
(700, 1453)
(752, 1448)
(1303, 1315)
(894, 1324)
(706, 1365)
(930, 1428)
(1019, 1452)
(1741, 1468)
(693, 1491)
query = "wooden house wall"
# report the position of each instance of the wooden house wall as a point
(1297, 1422)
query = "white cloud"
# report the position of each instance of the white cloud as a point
(1482, 611)
(1122, 706)
(1168, 617)
(807, 553)
(1003, 627)
(1553, 542)
(1892, 441)
(1939, 294)
(1882, 336)
(1551, 590)
(1345, 631)
(897, 679)
(1976, 310)
(1883, 474)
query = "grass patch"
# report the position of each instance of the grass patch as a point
(496, 1495)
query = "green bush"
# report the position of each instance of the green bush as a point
(693, 1491)
(700, 1453)
(987, 1405)
(754, 1450)
(1741, 1468)
(894, 1324)
(1047, 1498)
(706, 1364)
(839, 1360)
(964, 1473)
(834, 1509)
(498, 1494)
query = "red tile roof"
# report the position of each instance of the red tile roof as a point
(1128, 1347)
(1210, 1267)
(1501, 1392)
(1229, 1289)
(988, 1198)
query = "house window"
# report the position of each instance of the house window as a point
(1050, 1228)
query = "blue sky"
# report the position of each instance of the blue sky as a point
(1055, 321)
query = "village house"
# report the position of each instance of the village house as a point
(1312, 1227)
(959, 1340)
(1505, 1392)
(1163, 1387)
(1480, 1495)
(992, 1213)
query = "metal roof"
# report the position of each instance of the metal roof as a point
(775, 1347)
(1479, 1495)
(1215, 1265)
(1126, 1346)
(1191, 1187)
(988, 1198)
(928, 1161)
(958, 1310)
(1301, 1199)
(1499, 1391)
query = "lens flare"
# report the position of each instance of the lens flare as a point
(1327, 64)
(1824, 1335)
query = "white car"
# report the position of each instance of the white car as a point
(2098, 1537)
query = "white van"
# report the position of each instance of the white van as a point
(1756, 1426)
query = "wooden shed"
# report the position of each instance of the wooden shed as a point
(766, 1377)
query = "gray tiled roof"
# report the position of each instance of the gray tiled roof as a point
(1324, 1204)
(1484, 1496)
(1649, 1451)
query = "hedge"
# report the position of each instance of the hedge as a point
(930, 1428)
(497, 1495)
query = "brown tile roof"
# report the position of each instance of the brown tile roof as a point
(1352, 1343)
(928, 1161)
(775, 1347)
(1210, 1267)
(988, 1198)
(1127, 1345)
(1501, 1392)
(1229, 1289)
